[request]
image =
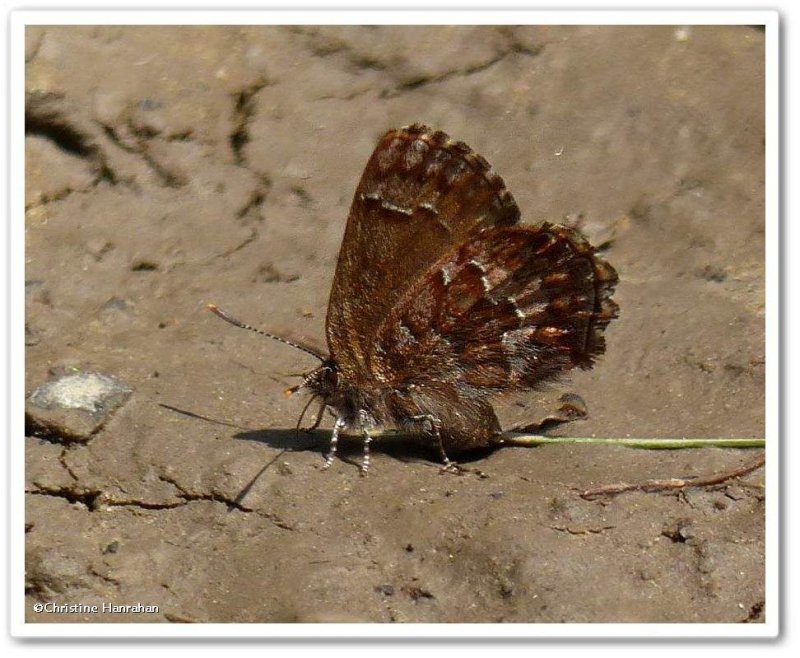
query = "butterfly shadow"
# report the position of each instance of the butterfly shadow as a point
(403, 447)
(407, 448)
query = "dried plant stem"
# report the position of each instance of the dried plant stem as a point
(651, 486)
(533, 440)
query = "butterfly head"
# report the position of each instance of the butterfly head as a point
(350, 404)
(323, 382)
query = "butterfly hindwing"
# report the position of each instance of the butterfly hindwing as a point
(508, 309)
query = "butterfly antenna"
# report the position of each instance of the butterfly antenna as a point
(238, 323)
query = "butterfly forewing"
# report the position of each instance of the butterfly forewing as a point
(420, 194)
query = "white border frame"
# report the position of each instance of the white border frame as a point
(20, 19)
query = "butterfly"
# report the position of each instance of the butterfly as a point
(441, 300)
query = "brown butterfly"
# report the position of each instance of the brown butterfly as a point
(441, 300)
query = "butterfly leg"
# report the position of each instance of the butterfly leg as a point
(365, 461)
(364, 422)
(436, 430)
(337, 426)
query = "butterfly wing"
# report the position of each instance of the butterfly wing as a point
(420, 194)
(508, 309)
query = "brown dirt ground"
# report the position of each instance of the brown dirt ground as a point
(171, 167)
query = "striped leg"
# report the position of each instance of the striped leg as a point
(436, 430)
(337, 426)
(365, 461)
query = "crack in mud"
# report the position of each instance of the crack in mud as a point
(42, 118)
(87, 498)
(643, 210)
(52, 198)
(253, 205)
(582, 531)
(94, 499)
(243, 111)
(755, 612)
(46, 116)
(515, 48)
(249, 239)
(181, 619)
(323, 45)
(62, 459)
(165, 176)
(232, 504)
(425, 80)
(108, 579)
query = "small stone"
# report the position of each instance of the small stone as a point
(679, 531)
(285, 468)
(75, 406)
(116, 304)
(682, 34)
(33, 284)
(98, 248)
(417, 593)
(506, 589)
(385, 590)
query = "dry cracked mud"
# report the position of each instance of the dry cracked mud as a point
(171, 167)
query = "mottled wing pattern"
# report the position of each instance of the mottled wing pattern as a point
(420, 194)
(507, 309)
